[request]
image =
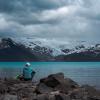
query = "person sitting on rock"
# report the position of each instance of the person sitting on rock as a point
(28, 73)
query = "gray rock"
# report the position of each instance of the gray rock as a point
(42, 97)
(66, 85)
(25, 92)
(51, 97)
(52, 80)
(1, 97)
(85, 93)
(3, 88)
(62, 97)
(10, 97)
(42, 89)
(53, 87)
(93, 94)
(57, 82)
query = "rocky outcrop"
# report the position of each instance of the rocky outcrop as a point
(53, 87)
(56, 82)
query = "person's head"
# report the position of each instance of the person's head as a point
(27, 64)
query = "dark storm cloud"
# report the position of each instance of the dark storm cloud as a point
(68, 19)
(11, 6)
(28, 11)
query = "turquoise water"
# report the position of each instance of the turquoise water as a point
(81, 72)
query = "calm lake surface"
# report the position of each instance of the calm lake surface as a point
(81, 72)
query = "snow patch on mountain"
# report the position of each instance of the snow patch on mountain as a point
(48, 44)
(58, 47)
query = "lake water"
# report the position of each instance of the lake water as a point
(81, 72)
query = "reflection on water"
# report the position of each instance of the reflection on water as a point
(83, 73)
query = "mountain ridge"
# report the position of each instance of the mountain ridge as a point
(12, 50)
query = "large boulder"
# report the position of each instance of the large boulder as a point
(42, 88)
(26, 91)
(93, 94)
(56, 82)
(53, 80)
(8, 97)
(42, 97)
(59, 96)
(3, 88)
(66, 85)
(62, 97)
(85, 93)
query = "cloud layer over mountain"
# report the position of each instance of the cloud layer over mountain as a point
(51, 19)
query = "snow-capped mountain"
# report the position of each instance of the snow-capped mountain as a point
(36, 49)
(41, 45)
(12, 51)
(51, 47)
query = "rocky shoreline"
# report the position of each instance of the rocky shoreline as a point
(53, 87)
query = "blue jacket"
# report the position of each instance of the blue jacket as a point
(27, 73)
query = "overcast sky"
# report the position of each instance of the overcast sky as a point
(62, 20)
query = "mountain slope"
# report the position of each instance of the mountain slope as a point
(81, 54)
(33, 50)
(11, 51)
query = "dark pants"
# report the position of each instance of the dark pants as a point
(27, 79)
